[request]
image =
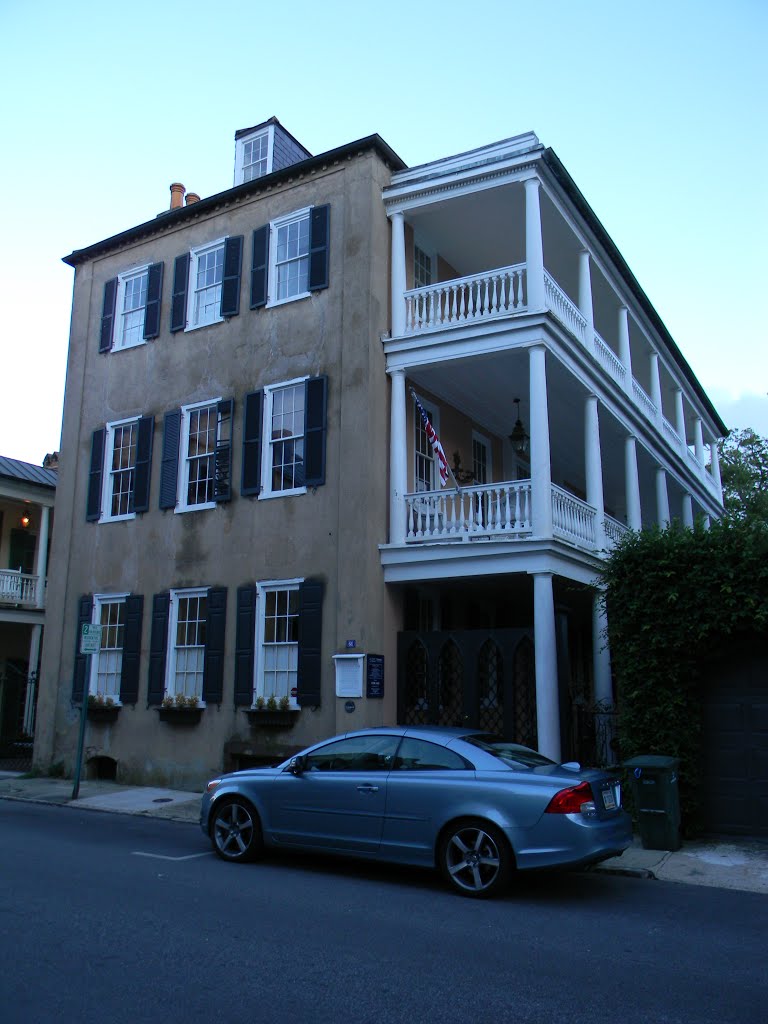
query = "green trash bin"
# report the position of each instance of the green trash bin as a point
(654, 786)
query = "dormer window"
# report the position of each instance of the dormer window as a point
(265, 148)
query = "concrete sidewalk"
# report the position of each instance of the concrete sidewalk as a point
(724, 862)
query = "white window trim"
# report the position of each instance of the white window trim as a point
(182, 478)
(93, 677)
(262, 588)
(118, 345)
(486, 443)
(272, 279)
(106, 472)
(173, 620)
(266, 447)
(269, 131)
(434, 419)
(426, 248)
(194, 256)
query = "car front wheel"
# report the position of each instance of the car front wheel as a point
(235, 830)
(475, 858)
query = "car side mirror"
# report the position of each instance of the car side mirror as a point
(297, 764)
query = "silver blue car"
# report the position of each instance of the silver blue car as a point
(473, 805)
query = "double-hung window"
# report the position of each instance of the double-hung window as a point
(131, 308)
(255, 156)
(284, 438)
(206, 284)
(186, 642)
(121, 457)
(197, 456)
(290, 257)
(107, 666)
(422, 268)
(278, 640)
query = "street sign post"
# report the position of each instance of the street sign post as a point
(90, 643)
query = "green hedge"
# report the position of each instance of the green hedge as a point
(675, 599)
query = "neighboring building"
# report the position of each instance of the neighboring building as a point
(27, 495)
(251, 506)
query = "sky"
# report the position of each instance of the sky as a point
(657, 110)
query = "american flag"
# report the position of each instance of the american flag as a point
(434, 440)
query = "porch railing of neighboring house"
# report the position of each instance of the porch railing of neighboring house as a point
(481, 510)
(572, 518)
(17, 587)
(466, 299)
(614, 530)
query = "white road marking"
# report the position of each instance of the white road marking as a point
(160, 856)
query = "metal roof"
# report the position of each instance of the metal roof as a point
(12, 469)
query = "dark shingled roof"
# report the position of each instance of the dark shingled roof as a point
(12, 469)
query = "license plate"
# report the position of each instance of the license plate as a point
(609, 800)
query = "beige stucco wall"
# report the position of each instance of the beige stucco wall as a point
(332, 533)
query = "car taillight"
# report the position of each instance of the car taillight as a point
(574, 800)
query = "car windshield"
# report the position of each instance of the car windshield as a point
(513, 754)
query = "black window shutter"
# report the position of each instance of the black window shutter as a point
(310, 642)
(129, 679)
(245, 641)
(84, 613)
(108, 315)
(319, 235)
(222, 459)
(213, 663)
(315, 420)
(154, 295)
(230, 285)
(259, 267)
(93, 506)
(250, 480)
(170, 461)
(158, 643)
(143, 469)
(179, 296)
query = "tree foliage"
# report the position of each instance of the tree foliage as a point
(676, 599)
(744, 471)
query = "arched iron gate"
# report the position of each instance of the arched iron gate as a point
(481, 678)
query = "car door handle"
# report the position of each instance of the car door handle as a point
(367, 788)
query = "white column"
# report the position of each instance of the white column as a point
(715, 456)
(534, 246)
(698, 438)
(680, 415)
(632, 484)
(688, 511)
(585, 298)
(662, 498)
(398, 460)
(594, 468)
(625, 351)
(547, 691)
(541, 475)
(656, 385)
(397, 275)
(32, 680)
(41, 555)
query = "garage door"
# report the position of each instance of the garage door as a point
(736, 744)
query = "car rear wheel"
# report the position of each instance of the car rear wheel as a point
(235, 830)
(475, 858)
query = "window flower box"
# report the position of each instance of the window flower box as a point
(277, 718)
(103, 714)
(180, 716)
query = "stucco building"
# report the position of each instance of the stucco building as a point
(249, 501)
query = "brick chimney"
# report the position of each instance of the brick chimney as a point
(177, 195)
(192, 197)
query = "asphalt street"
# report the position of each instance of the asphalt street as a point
(125, 919)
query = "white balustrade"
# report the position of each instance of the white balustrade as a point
(482, 510)
(642, 399)
(572, 518)
(609, 360)
(566, 311)
(614, 530)
(17, 587)
(672, 435)
(466, 299)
